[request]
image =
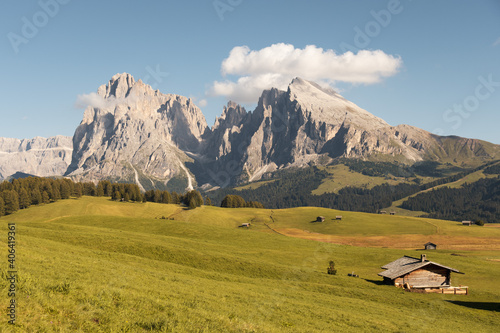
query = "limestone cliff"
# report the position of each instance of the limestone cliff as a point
(136, 134)
(38, 156)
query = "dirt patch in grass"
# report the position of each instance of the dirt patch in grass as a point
(443, 242)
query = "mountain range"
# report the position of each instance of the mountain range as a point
(134, 133)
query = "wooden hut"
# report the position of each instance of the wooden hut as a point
(469, 223)
(320, 219)
(419, 274)
(430, 246)
(338, 217)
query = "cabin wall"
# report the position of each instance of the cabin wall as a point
(430, 276)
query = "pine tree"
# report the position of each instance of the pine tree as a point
(24, 198)
(227, 202)
(175, 198)
(45, 197)
(100, 189)
(107, 187)
(2, 207)
(56, 193)
(157, 196)
(116, 196)
(78, 191)
(36, 196)
(11, 200)
(208, 201)
(65, 190)
(192, 203)
(89, 189)
(166, 197)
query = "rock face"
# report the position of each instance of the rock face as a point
(311, 124)
(38, 156)
(136, 134)
(133, 133)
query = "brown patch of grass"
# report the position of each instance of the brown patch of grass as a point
(444, 242)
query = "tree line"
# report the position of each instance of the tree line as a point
(293, 188)
(26, 192)
(475, 201)
(31, 191)
(236, 201)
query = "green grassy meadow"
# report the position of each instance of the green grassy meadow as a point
(94, 265)
(341, 176)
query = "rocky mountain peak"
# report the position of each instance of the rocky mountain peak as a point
(232, 115)
(136, 131)
(325, 105)
(118, 87)
(142, 135)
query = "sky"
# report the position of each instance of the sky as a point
(431, 64)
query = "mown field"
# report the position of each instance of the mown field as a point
(93, 265)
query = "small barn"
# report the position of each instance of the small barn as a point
(430, 246)
(420, 274)
(338, 217)
(320, 219)
(469, 223)
(245, 225)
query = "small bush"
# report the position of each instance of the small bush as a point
(331, 268)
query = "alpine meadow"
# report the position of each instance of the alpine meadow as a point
(97, 265)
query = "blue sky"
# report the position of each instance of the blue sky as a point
(436, 62)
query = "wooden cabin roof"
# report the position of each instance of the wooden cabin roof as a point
(405, 265)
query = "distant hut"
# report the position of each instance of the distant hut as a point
(430, 246)
(245, 225)
(382, 212)
(469, 223)
(338, 217)
(393, 213)
(320, 219)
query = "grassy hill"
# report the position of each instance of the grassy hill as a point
(341, 176)
(468, 179)
(93, 265)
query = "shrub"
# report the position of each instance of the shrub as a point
(331, 268)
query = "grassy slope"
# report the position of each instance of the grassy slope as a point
(253, 185)
(471, 178)
(92, 265)
(341, 177)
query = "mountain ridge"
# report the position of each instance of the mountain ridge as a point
(38, 156)
(131, 132)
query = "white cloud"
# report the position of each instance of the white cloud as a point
(202, 103)
(497, 42)
(92, 99)
(97, 101)
(278, 64)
